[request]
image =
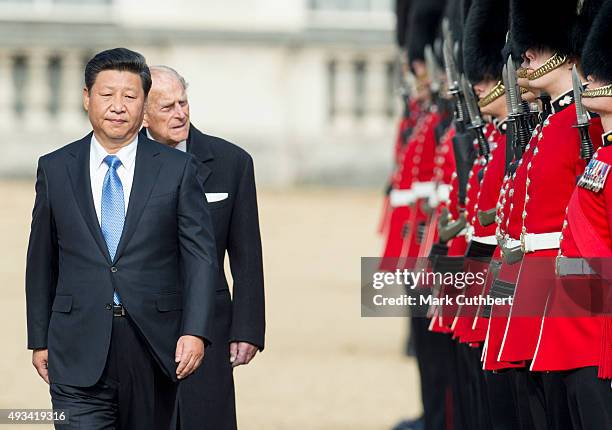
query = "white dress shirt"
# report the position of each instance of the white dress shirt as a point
(181, 146)
(98, 169)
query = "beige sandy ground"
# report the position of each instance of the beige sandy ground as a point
(325, 367)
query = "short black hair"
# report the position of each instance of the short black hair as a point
(121, 59)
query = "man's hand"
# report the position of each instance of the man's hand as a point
(241, 353)
(189, 355)
(40, 360)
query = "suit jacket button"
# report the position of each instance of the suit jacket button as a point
(108, 306)
(113, 269)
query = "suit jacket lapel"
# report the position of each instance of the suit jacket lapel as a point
(146, 171)
(78, 171)
(198, 145)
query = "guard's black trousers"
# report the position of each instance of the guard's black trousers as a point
(133, 392)
(434, 352)
(589, 399)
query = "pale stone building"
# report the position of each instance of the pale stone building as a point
(306, 86)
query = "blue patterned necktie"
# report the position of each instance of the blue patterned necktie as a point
(113, 209)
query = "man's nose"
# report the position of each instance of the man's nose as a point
(117, 104)
(180, 112)
(526, 62)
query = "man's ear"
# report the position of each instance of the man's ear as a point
(145, 120)
(86, 99)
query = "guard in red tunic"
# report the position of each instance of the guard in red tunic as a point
(575, 345)
(412, 110)
(492, 401)
(415, 187)
(551, 161)
(416, 101)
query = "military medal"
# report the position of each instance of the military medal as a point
(594, 176)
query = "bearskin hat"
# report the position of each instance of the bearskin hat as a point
(596, 54)
(484, 37)
(543, 24)
(425, 17)
(402, 12)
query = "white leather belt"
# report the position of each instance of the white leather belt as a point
(532, 242)
(423, 189)
(487, 240)
(399, 198)
(443, 192)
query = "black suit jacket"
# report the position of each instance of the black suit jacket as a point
(227, 168)
(165, 268)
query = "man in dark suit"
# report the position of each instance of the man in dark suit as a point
(121, 265)
(206, 400)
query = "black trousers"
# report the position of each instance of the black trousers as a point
(501, 397)
(589, 399)
(548, 400)
(520, 389)
(133, 393)
(434, 353)
(206, 399)
(473, 393)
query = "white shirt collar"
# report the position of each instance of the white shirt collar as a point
(127, 154)
(181, 146)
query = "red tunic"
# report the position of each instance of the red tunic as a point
(471, 200)
(492, 180)
(420, 174)
(399, 157)
(417, 163)
(543, 186)
(444, 165)
(570, 343)
(495, 325)
(487, 198)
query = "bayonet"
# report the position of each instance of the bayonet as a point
(449, 65)
(472, 105)
(511, 88)
(403, 83)
(582, 118)
(475, 118)
(581, 115)
(454, 88)
(446, 33)
(432, 70)
(511, 127)
(506, 83)
(519, 112)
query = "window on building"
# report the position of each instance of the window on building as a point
(390, 80)
(20, 70)
(331, 88)
(360, 72)
(54, 80)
